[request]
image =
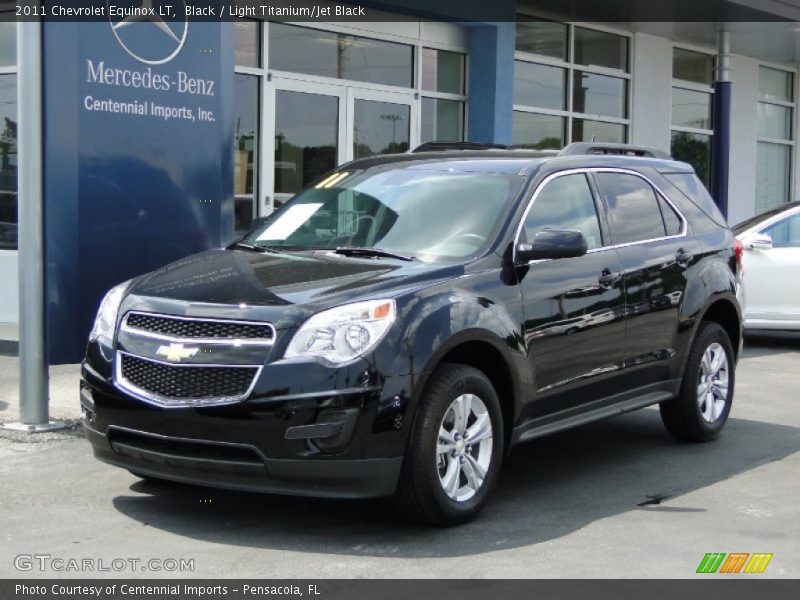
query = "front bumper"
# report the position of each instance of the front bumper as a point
(241, 467)
(260, 444)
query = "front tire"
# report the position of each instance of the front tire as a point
(701, 409)
(455, 448)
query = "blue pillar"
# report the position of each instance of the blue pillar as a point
(491, 82)
(720, 147)
(721, 143)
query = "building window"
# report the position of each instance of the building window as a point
(571, 84)
(692, 117)
(775, 138)
(246, 123)
(340, 56)
(8, 136)
(443, 84)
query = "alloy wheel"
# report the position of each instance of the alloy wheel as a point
(714, 380)
(464, 450)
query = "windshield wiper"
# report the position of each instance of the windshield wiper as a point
(252, 247)
(371, 252)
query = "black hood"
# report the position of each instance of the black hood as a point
(283, 288)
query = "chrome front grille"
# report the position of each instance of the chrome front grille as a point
(196, 329)
(182, 383)
(175, 361)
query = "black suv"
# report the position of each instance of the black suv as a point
(402, 322)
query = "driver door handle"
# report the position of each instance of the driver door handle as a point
(608, 278)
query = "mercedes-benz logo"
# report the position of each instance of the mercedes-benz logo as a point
(147, 15)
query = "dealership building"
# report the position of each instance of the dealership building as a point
(158, 144)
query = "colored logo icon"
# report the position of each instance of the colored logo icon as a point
(735, 562)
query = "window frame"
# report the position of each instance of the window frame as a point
(570, 66)
(603, 212)
(13, 70)
(790, 143)
(693, 86)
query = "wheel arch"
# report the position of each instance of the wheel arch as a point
(724, 311)
(490, 359)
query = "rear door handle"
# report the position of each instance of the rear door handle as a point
(683, 257)
(608, 278)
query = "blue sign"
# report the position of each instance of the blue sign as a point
(138, 155)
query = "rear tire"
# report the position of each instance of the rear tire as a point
(701, 409)
(454, 450)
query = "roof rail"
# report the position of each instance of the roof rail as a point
(581, 148)
(444, 146)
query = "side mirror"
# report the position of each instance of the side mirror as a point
(760, 241)
(553, 243)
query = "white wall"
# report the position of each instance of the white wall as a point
(651, 90)
(9, 288)
(744, 129)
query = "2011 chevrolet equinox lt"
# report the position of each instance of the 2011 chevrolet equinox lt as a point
(403, 321)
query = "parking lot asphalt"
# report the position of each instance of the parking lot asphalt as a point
(618, 498)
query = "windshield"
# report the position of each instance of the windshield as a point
(428, 214)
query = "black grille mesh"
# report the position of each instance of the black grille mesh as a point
(183, 382)
(199, 329)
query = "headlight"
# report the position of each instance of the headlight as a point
(107, 314)
(344, 333)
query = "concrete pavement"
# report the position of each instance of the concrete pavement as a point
(576, 504)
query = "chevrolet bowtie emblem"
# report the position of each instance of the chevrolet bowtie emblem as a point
(176, 352)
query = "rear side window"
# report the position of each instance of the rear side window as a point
(691, 187)
(566, 202)
(634, 207)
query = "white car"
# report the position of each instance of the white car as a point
(770, 294)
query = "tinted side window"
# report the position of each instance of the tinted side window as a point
(786, 233)
(635, 214)
(565, 203)
(672, 221)
(691, 187)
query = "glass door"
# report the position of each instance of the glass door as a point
(318, 126)
(307, 136)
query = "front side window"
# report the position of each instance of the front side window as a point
(785, 233)
(429, 214)
(634, 207)
(565, 203)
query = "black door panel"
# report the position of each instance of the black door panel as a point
(655, 253)
(574, 307)
(574, 330)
